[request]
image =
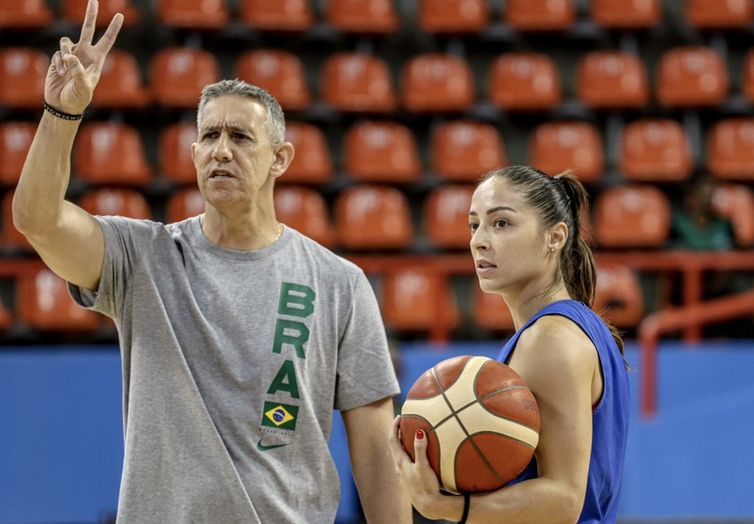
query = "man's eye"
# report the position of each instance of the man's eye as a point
(473, 227)
(499, 223)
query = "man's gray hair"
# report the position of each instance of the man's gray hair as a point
(275, 124)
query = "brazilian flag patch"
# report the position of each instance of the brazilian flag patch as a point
(281, 416)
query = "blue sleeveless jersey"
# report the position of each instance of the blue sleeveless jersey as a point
(609, 416)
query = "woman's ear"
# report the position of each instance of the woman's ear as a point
(557, 236)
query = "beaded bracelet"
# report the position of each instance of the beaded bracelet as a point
(60, 114)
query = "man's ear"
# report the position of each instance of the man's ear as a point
(283, 158)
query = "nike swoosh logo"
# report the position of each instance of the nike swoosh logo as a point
(263, 447)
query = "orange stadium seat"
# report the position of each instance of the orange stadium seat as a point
(714, 14)
(612, 80)
(184, 204)
(24, 14)
(15, 140)
(490, 310)
(23, 71)
(110, 153)
(193, 14)
(524, 81)
(736, 202)
(619, 14)
(437, 82)
(631, 216)
(174, 152)
(179, 74)
(73, 11)
(691, 76)
(618, 296)
(43, 302)
(381, 152)
(362, 16)
(280, 15)
(446, 216)
(279, 72)
(312, 163)
(415, 299)
(464, 150)
(540, 15)
(121, 84)
(373, 217)
(357, 82)
(655, 150)
(10, 236)
(453, 16)
(120, 202)
(730, 149)
(305, 210)
(558, 146)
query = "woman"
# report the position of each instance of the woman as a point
(527, 247)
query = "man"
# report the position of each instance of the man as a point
(238, 335)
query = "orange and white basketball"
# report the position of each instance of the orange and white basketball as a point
(480, 419)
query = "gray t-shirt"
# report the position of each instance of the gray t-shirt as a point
(232, 364)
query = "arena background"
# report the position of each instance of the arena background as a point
(642, 99)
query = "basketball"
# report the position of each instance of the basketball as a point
(480, 419)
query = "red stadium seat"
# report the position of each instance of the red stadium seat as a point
(179, 75)
(612, 80)
(311, 163)
(121, 84)
(618, 296)
(184, 204)
(358, 82)
(692, 77)
(193, 14)
(10, 236)
(174, 152)
(490, 311)
(631, 217)
(620, 14)
(464, 150)
(305, 210)
(540, 15)
(436, 82)
(6, 319)
(414, 300)
(714, 14)
(279, 72)
(736, 202)
(23, 71)
(15, 140)
(24, 14)
(373, 217)
(381, 152)
(362, 16)
(559, 146)
(116, 202)
(43, 303)
(525, 81)
(280, 15)
(730, 149)
(110, 153)
(655, 150)
(446, 216)
(453, 16)
(73, 11)
(747, 76)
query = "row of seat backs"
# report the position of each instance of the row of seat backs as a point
(654, 150)
(409, 298)
(687, 76)
(374, 218)
(383, 17)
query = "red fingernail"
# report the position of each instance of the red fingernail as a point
(419, 434)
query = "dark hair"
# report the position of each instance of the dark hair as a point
(275, 123)
(561, 198)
